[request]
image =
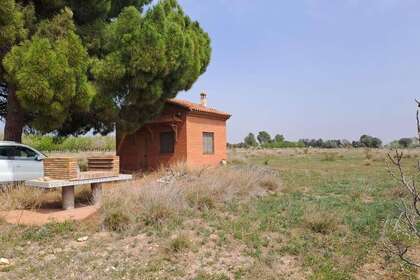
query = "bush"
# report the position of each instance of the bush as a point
(180, 243)
(284, 144)
(70, 144)
(116, 216)
(200, 198)
(168, 193)
(269, 184)
(116, 220)
(319, 221)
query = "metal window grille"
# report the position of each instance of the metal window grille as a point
(208, 143)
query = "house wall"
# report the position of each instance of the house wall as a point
(132, 152)
(196, 125)
(141, 151)
(155, 158)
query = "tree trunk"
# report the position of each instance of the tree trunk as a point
(120, 138)
(13, 128)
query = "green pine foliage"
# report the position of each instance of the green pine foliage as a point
(149, 58)
(50, 73)
(93, 64)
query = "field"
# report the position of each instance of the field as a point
(269, 214)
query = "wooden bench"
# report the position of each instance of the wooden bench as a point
(68, 186)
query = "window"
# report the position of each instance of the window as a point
(208, 143)
(24, 153)
(167, 142)
(7, 152)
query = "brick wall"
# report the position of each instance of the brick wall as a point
(141, 151)
(196, 125)
(156, 159)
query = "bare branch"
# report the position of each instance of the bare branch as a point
(409, 219)
(418, 120)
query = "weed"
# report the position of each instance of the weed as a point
(367, 162)
(322, 218)
(206, 276)
(200, 198)
(116, 220)
(84, 195)
(368, 154)
(330, 156)
(320, 221)
(48, 231)
(20, 197)
(270, 184)
(180, 243)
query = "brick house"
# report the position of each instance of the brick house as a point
(184, 132)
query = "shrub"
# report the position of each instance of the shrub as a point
(269, 184)
(158, 203)
(168, 193)
(200, 198)
(70, 144)
(116, 220)
(116, 210)
(320, 221)
(180, 243)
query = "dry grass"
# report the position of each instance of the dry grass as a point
(179, 243)
(322, 220)
(20, 197)
(170, 192)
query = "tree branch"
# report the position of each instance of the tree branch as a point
(409, 219)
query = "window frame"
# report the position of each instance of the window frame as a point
(16, 157)
(205, 136)
(170, 150)
(12, 157)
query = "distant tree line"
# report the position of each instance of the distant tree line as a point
(264, 140)
(365, 141)
(404, 143)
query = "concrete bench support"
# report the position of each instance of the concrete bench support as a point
(96, 193)
(67, 187)
(67, 196)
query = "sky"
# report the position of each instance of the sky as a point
(312, 68)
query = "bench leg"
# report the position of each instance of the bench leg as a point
(96, 193)
(67, 196)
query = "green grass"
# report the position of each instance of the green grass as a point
(326, 215)
(347, 202)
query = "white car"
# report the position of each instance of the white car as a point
(19, 162)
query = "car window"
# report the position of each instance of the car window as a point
(24, 153)
(7, 152)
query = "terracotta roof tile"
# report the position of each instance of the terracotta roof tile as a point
(197, 107)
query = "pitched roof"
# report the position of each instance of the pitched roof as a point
(194, 107)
